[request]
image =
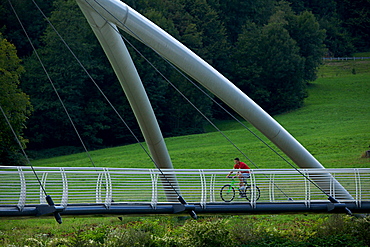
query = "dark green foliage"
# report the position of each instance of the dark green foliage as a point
(264, 230)
(356, 19)
(270, 49)
(320, 8)
(14, 103)
(91, 114)
(269, 66)
(346, 23)
(275, 61)
(32, 20)
(205, 233)
(362, 230)
(130, 237)
(338, 40)
(340, 230)
(305, 30)
(201, 31)
(333, 230)
(235, 14)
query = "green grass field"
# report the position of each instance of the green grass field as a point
(333, 125)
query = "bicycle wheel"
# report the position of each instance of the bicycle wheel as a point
(227, 193)
(252, 193)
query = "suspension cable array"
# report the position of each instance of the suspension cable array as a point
(186, 206)
(200, 89)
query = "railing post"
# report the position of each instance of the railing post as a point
(98, 189)
(203, 199)
(307, 188)
(108, 188)
(358, 187)
(22, 194)
(154, 176)
(272, 188)
(332, 185)
(43, 183)
(212, 188)
(253, 189)
(64, 201)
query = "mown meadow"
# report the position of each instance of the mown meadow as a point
(333, 125)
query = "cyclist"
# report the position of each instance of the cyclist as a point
(243, 175)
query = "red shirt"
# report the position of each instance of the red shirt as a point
(242, 165)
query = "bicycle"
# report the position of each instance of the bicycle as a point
(227, 192)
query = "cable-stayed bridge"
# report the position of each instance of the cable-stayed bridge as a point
(120, 191)
(39, 191)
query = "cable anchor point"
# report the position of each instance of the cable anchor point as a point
(187, 207)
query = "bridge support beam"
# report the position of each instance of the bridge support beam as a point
(172, 209)
(151, 35)
(121, 61)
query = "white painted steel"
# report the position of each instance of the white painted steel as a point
(108, 188)
(203, 200)
(253, 190)
(307, 187)
(212, 189)
(358, 188)
(42, 194)
(272, 188)
(19, 187)
(22, 193)
(64, 201)
(98, 189)
(154, 176)
(130, 21)
(123, 66)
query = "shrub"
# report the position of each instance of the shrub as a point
(254, 234)
(97, 235)
(335, 223)
(336, 239)
(204, 233)
(340, 230)
(128, 237)
(362, 230)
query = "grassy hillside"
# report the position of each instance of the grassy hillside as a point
(333, 125)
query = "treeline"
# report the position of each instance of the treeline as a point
(270, 49)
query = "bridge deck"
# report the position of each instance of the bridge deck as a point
(97, 191)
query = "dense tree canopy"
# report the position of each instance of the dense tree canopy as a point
(270, 49)
(275, 85)
(14, 103)
(49, 123)
(356, 19)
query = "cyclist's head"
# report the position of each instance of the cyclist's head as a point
(236, 160)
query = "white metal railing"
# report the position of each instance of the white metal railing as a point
(345, 58)
(75, 185)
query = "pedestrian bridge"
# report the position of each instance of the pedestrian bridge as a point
(125, 191)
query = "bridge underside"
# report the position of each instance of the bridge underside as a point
(127, 209)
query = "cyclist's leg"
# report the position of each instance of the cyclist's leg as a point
(242, 181)
(242, 185)
(246, 176)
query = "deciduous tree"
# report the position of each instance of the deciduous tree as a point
(15, 104)
(269, 66)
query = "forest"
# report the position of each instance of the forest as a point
(270, 49)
